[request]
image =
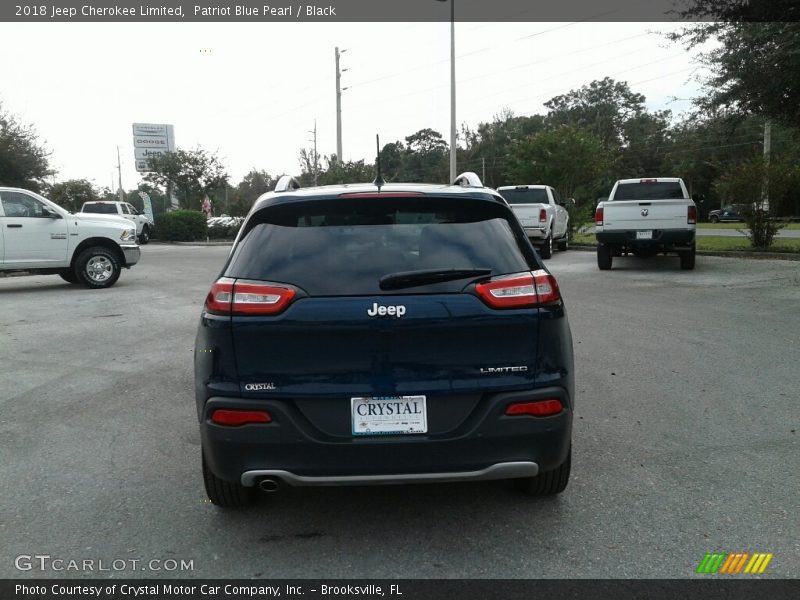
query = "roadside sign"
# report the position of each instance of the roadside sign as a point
(151, 139)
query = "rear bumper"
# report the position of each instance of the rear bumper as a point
(661, 238)
(132, 254)
(536, 233)
(487, 445)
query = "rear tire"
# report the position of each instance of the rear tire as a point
(546, 249)
(226, 494)
(97, 267)
(604, 257)
(688, 259)
(714, 219)
(145, 236)
(563, 243)
(548, 483)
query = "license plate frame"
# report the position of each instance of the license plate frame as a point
(399, 415)
(644, 235)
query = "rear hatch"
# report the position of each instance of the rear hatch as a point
(374, 308)
(646, 205)
(527, 203)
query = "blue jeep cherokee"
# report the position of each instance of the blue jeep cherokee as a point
(395, 333)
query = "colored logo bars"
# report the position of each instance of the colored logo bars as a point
(734, 563)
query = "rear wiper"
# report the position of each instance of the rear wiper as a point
(406, 279)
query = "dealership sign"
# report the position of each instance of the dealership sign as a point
(150, 140)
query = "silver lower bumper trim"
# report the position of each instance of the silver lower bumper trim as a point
(132, 254)
(509, 470)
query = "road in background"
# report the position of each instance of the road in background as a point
(685, 437)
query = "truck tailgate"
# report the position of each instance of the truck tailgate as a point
(645, 214)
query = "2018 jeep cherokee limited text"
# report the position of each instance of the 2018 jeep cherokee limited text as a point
(383, 334)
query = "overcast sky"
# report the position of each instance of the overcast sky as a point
(251, 91)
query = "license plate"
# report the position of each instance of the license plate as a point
(644, 235)
(389, 415)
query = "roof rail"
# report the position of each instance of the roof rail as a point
(468, 179)
(287, 183)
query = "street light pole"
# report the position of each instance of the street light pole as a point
(452, 89)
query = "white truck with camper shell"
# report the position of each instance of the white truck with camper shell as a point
(38, 236)
(144, 224)
(646, 217)
(542, 214)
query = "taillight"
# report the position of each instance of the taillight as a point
(691, 217)
(542, 215)
(539, 408)
(231, 297)
(235, 418)
(598, 215)
(523, 290)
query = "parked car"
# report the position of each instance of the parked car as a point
(38, 236)
(395, 333)
(732, 212)
(646, 217)
(144, 224)
(542, 213)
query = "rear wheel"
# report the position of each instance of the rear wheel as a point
(714, 219)
(546, 249)
(563, 243)
(548, 483)
(144, 237)
(226, 494)
(604, 257)
(687, 259)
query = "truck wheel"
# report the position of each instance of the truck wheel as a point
(145, 236)
(546, 249)
(604, 257)
(687, 259)
(714, 219)
(226, 494)
(97, 267)
(549, 483)
(563, 243)
(68, 276)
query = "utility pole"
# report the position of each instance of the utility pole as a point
(316, 156)
(338, 106)
(452, 91)
(767, 150)
(483, 170)
(119, 169)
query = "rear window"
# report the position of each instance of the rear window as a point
(525, 196)
(657, 190)
(109, 209)
(344, 247)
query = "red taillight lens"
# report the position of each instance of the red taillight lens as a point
(542, 216)
(598, 215)
(691, 216)
(539, 408)
(523, 290)
(231, 297)
(235, 418)
(219, 298)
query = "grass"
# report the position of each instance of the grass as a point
(716, 244)
(738, 225)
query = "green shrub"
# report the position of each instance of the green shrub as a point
(223, 232)
(181, 226)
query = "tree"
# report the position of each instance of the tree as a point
(426, 157)
(570, 158)
(23, 161)
(603, 107)
(248, 190)
(756, 68)
(745, 184)
(72, 194)
(193, 173)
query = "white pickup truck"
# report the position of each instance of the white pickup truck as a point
(645, 217)
(38, 236)
(144, 224)
(541, 213)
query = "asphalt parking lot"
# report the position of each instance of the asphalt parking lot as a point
(685, 442)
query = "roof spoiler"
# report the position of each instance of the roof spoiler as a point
(468, 179)
(287, 183)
